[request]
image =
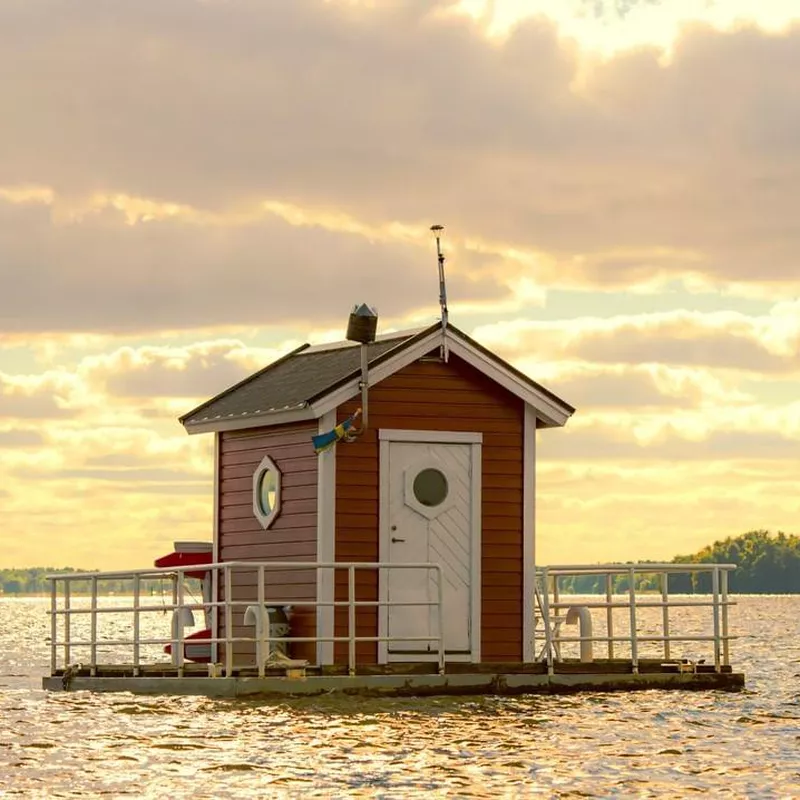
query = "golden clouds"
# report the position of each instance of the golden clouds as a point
(188, 189)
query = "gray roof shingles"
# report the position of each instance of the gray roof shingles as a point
(289, 383)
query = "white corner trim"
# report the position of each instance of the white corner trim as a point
(528, 535)
(440, 437)
(546, 408)
(476, 578)
(215, 589)
(326, 539)
(217, 491)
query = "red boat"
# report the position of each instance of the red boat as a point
(188, 554)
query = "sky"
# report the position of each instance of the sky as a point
(188, 188)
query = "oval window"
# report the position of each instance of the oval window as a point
(267, 491)
(430, 487)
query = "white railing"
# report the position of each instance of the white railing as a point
(63, 641)
(550, 605)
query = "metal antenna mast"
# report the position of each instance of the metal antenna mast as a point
(437, 232)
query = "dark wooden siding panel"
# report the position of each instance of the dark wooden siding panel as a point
(291, 537)
(430, 395)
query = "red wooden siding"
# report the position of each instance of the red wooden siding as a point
(292, 535)
(431, 395)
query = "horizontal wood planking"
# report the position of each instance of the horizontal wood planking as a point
(307, 506)
(292, 535)
(453, 397)
(290, 550)
(245, 497)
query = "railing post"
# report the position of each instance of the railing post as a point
(725, 647)
(715, 591)
(440, 616)
(137, 601)
(351, 620)
(67, 621)
(53, 626)
(179, 611)
(556, 615)
(175, 619)
(228, 623)
(632, 603)
(548, 633)
(610, 614)
(665, 612)
(215, 615)
(261, 624)
(93, 629)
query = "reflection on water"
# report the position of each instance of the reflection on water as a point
(649, 744)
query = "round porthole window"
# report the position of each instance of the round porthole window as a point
(430, 487)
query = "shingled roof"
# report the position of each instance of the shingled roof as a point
(287, 388)
(294, 381)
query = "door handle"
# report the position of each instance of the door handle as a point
(395, 539)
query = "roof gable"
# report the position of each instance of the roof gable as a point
(309, 382)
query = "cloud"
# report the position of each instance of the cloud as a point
(41, 398)
(619, 443)
(606, 173)
(101, 274)
(720, 340)
(633, 388)
(136, 478)
(681, 344)
(173, 166)
(199, 371)
(20, 438)
(619, 510)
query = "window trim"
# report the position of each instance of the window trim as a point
(266, 465)
(410, 498)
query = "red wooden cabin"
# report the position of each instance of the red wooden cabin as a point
(444, 472)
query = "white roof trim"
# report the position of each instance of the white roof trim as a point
(241, 421)
(408, 355)
(547, 409)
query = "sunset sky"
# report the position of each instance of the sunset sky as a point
(188, 188)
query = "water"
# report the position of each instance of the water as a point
(648, 744)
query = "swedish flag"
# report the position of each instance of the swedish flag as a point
(325, 441)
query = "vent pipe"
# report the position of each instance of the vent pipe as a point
(362, 327)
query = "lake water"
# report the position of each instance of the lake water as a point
(643, 744)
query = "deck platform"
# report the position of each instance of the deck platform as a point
(400, 680)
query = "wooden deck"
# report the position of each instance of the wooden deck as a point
(417, 679)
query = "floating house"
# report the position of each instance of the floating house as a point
(374, 529)
(439, 468)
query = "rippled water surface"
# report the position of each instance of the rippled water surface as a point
(646, 744)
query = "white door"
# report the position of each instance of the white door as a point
(427, 517)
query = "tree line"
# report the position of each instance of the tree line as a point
(31, 580)
(765, 564)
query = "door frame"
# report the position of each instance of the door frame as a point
(475, 440)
